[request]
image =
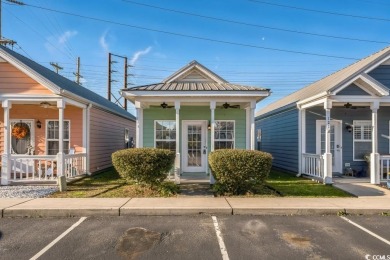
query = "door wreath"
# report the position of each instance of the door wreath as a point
(20, 130)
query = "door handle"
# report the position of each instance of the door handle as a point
(204, 149)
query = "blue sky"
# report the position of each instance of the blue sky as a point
(167, 40)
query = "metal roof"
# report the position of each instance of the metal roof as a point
(194, 86)
(328, 83)
(64, 83)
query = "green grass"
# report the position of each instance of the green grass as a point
(109, 184)
(287, 184)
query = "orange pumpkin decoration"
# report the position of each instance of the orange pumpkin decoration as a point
(19, 131)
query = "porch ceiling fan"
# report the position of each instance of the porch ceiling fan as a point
(227, 105)
(46, 104)
(165, 105)
(350, 106)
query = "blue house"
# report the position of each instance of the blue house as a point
(337, 125)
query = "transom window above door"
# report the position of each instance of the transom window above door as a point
(224, 133)
(52, 136)
(165, 134)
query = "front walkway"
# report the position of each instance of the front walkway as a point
(360, 187)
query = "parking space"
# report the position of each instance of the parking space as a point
(21, 238)
(194, 237)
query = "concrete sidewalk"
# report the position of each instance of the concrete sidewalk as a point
(63, 207)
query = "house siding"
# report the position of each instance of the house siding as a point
(35, 112)
(194, 113)
(107, 133)
(13, 81)
(352, 90)
(279, 137)
(381, 74)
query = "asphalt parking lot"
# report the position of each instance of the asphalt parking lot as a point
(196, 237)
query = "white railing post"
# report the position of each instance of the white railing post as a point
(5, 157)
(177, 168)
(327, 155)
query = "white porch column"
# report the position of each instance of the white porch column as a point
(327, 155)
(5, 158)
(139, 125)
(374, 157)
(301, 138)
(178, 157)
(252, 125)
(213, 105)
(60, 155)
(86, 134)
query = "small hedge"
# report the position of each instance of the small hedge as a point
(239, 171)
(144, 165)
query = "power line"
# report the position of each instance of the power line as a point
(254, 25)
(322, 12)
(192, 36)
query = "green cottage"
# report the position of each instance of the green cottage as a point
(193, 112)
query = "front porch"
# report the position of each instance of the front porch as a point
(345, 136)
(43, 138)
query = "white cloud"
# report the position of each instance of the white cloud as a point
(66, 36)
(138, 54)
(55, 43)
(103, 42)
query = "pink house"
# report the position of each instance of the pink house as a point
(52, 126)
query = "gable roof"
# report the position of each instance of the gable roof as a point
(330, 82)
(59, 84)
(183, 80)
(207, 74)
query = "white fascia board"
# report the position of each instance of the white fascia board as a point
(30, 72)
(261, 93)
(361, 99)
(377, 86)
(313, 103)
(378, 63)
(28, 97)
(313, 98)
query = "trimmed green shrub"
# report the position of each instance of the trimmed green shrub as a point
(239, 171)
(144, 165)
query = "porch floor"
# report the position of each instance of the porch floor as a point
(194, 177)
(360, 187)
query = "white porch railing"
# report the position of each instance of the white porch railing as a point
(33, 167)
(75, 164)
(384, 164)
(312, 164)
(44, 167)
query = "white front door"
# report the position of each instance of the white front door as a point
(335, 142)
(194, 147)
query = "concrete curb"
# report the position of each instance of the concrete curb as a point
(50, 207)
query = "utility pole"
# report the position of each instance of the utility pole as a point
(109, 77)
(4, 41)
(125, 84)
(77, 74)
(56, 66)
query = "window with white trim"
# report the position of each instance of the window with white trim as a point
(165, 134)
(224, 133)
(362, 134)
(52, 136)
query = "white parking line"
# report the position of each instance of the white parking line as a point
(58, 239)
(366, 230)
(220, 239)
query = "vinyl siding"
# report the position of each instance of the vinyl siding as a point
(195, 113)
(13, 81)
(381, 74)
(279, 137)
(107, 133)
(352, 90)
